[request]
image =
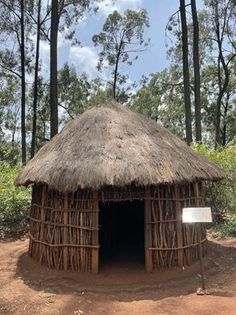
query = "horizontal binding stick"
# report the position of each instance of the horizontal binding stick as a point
(62, 225)
(62, 245)
(177, 248)
(65, 209)
(162, 221)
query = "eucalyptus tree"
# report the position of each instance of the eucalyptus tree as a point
(15, 26)
(74, 91)
(220, 22)
(121, 40)
(196, 69)
(63, 14)
(217, 37)
(185, 62)
(161, 98)
(39, 23)
(9, 117)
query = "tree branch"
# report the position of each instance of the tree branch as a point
(67, 110)
(10, 70)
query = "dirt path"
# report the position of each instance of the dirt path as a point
(28, 288)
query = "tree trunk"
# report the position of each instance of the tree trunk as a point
(196, 67)
(34, 124)
(23, 89)
(187, 99)
(115, 79)
(222, 85)
(53, 69)
(224, 129)
(116, 68)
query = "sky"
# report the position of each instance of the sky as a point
(85, 58)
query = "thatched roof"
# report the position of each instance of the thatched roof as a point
(113, 145)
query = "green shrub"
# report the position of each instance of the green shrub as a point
(14, 202)
(227, 228)
(221, 196)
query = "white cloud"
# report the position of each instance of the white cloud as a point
(108, 6)
(45, 57)
(85, 59)
(62, 41)
(63, 45)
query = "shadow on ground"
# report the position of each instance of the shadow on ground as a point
(131, 282)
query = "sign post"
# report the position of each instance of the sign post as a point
(198, 215)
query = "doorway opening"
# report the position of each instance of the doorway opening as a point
(122, 232)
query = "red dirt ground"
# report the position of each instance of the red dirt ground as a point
(28, 288)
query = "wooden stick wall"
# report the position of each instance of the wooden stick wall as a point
(64, 227)
(173, 243)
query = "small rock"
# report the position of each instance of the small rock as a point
(200, 291)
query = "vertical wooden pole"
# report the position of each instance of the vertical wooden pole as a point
(197, 194)
(197, 204)
(147, 230)
(198, 226)
(42, 225)
(65, 232)
(179, 230)
(199, 232)
(95, 236)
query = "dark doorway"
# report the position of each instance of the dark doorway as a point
(122, 232)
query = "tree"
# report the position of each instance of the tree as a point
(14, 23)
(196, 68)
(187, 98)
(53, 69)
(74, 91)
(213, 73)
(121, 36)
(68, 11)
(161, 98)
(23, 87)
(223, 82)
(35, 92)
(10, 95)
(221, 36)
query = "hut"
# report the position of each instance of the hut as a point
(114, 178)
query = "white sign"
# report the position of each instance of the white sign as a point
(196, 215)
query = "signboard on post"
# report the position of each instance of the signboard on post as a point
(197, 215)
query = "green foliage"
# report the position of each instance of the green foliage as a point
(227, 228)
(160, 97)
(119, 32)
(121, 40)
(221, 196)
(73, 91)
(14, 202)
(9, 152)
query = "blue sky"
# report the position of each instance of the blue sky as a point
(85, 58)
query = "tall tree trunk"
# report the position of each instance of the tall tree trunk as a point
(222, 85)
(34, 124)
(196, 67)
(224, 129)
(187, 99)
(114, 86)
(115, 79)
(53, 69)
(23, 89)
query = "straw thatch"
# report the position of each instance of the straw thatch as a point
(113, 145)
